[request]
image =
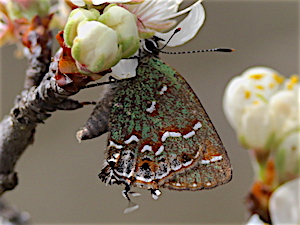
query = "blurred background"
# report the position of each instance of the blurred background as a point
(58, 182)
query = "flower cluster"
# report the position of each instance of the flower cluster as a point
(12, 10)
(98, 42)
(101, 35)
(263, 108)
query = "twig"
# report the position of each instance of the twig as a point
(18, 128)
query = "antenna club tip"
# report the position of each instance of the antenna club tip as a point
(225, 50)
(177, 30)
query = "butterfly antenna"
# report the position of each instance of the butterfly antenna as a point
(203, 50)
(196, 51)
(175, 31)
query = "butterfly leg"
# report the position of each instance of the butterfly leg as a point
(155, 193)
(131, 205)
(126, 191)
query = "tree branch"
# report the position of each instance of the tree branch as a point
(45, 92)
(17, 129)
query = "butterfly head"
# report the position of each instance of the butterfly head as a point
(150, 46)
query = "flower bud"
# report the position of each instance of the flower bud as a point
(124, 23)
(96, 47)
(284, 203)
(19, 9)
(76, 16)
(287, 157)
(246, 105)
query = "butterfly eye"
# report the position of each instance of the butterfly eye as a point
(149, 45)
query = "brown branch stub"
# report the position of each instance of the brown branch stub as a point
(37, 38)
(8, 181)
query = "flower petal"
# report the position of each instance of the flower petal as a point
(156, 10)
(79, 3)
(190, 26)
(96, 47)
(234, 101)
(99, 2)
(284, 203)
(256, 126)
(284, 109)
(255, 220)
(126, 68)
(288, 157)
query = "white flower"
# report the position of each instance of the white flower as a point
(88, 50)
(255, 220)
(284, 203)
(125, 69)
(248, 105)
(98, 42)
(123, 23)
(287, 157)
(83, 3)
(77, 16)
(157, 16)
(153, 18)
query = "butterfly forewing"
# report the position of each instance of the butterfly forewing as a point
(161, 136)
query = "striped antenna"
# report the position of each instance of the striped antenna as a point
(198, 51)
(175, 31)
(195, 51)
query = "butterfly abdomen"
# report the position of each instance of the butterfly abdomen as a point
(97, 123)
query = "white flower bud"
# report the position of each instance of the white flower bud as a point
(246, 105)
(287, 157)
(96, 47)
(284, 203)
(76, 16)
(284, 111)
(124, 23)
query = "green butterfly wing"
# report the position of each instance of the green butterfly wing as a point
(161, 136)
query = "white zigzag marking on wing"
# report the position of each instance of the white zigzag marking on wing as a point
(131, 139)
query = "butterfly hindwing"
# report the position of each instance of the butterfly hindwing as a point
(161, 136)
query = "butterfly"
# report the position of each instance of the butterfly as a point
(160, 136)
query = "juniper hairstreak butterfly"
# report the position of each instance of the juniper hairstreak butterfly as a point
(159, 133)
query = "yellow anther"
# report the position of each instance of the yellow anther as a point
(256, 76)
(247, 94)
(293, 80)
(271, 85)
(260, 87)
(278, 78)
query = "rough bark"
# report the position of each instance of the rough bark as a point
(17, 130)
